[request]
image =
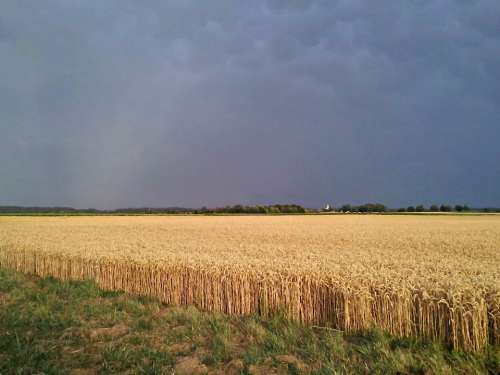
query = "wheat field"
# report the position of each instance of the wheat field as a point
(436, 277)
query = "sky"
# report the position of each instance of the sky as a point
(109, 104)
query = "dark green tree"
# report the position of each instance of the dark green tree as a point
(346, 208)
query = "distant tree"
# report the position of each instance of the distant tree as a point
(466, 208)
(434, 208)
(285, 209)
(273, 210)
(445, 208)
(402, 209)
(459, 208)
(260, 209)
(371, 207)
(346, 208)
(420, 208)
(410, 209)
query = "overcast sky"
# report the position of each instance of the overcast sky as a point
(121, 103)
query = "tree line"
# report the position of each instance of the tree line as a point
(256, 209)
(378, 207)
(234, 209)
(367, 207)
(435, 208)
(89, 211)
(242, 209)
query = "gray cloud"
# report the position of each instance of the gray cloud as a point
(123, 103)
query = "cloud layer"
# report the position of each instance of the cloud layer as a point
(123, 103)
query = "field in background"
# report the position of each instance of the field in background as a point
(435, 277)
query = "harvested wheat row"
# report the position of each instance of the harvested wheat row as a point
(351, 273)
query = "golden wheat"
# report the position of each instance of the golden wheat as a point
(434, 276)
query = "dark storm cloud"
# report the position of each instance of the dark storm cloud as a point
(125, 103)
